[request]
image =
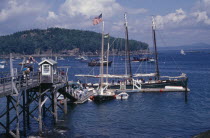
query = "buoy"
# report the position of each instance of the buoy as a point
(92, 98)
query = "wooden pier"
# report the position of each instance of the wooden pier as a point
(27, 94)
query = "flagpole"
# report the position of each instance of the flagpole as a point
(102, 56)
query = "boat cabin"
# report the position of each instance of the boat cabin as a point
(48, 68)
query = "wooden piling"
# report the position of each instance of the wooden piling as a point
(24, 112)
(17, 116)
(40, 111)
(27, 109)
(43, 107)
(55, 106)
(8, 116)
(65, 104)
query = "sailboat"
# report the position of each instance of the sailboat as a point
(182, 52)
(102, 93)
(136, 81)
(94, 63)
(159, 81)
(167, 80)
(128, 72)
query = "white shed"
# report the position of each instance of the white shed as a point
(48, 68)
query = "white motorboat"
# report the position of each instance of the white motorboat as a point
(60, 97)
(1, 66)
(3, 62)
(122, 96)
(61, 58)
(151, 60)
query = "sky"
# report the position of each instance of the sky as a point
(178, 22)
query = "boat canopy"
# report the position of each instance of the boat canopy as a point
(183, 75)
(145, 75)
(104, 75)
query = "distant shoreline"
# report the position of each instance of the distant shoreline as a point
(120, 53)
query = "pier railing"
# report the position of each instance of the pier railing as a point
(12, 84)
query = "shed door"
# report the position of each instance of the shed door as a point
(46, 69)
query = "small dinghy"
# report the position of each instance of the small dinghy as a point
(1, 66)
(122, 96)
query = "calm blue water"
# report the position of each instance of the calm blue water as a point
(143, 114)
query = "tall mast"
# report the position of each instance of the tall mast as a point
(127, 47)
(155, 46)
(107, 58)
(102, 57)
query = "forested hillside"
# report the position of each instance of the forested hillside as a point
(57, 40)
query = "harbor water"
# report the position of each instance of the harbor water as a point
(142, 114)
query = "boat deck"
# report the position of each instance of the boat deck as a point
(152, 90)
(84, 98)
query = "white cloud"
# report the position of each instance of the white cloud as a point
(51, 15)
(136, 11)
(170, 18)
(89, 8)
(202, 17)
(202, 12)
(17, 15)
(16, 8)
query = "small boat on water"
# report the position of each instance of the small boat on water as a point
(3, 62)
(136, 59)
(60, 97)
(151, 60)
(43, 58)
(61, 58)
(122, 96)
(1, 66)
(78, 58)
(98, 63)
(182, 52)
(103, 95)
(17, 58)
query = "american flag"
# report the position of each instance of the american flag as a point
(97, 19)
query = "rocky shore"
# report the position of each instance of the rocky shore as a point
(203, 135)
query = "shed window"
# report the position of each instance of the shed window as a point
(46, 69)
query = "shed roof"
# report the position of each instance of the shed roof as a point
(50, 61)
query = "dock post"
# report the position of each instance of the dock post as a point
(55, 105)
(27, 108)
(52, 101)
(8, 116)
(17, 114)
(43, 107)
(40, 111)
(24, 113)
(65, 104)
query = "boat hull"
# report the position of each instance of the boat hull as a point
(162, 84)
(136, 59)
(102, 98)
(98, 63)
(157, 84)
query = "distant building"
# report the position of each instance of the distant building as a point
(73, 52)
